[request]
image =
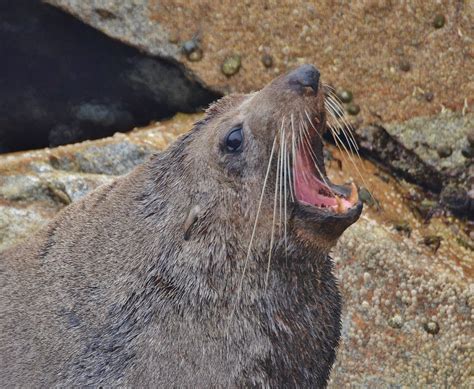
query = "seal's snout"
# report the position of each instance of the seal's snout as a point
(306, 76)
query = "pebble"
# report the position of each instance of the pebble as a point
(365, 196)
(429, 96)
(189, 46)
(231, 65)
(444, 151)
(431, 327)
(439, 21)
(404, 65)
(345, 96)
(195, 56)
(470, 138)
(468, 151)
(353, 109)
(267, 60)
(395, 321)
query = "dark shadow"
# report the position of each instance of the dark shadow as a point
(62, 81)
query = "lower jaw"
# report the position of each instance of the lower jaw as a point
(320, 215)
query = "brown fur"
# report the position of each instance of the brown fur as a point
(111, 292)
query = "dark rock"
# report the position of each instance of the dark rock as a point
(377, 142)
(403, 227)
(433, 241)
(439, 21)
(404, 65)
(431, 327)
(470, 138)
(353, 109)
(444, 151)
(267, 60)
(468, 151)
(457, 200)
(345, 95)
(68, 82)
(366, 197)
(429, 96)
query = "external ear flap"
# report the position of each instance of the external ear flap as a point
(192, 217)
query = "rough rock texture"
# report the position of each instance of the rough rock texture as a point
(430, 151)
(405, 64)
(363, 46)
(407, 284)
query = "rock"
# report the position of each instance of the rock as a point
(395, 321)
(68, 82)
(345, 95)
(425, 135)
(267, 60)
(393, 286)
(431, 327)
(231, 65)
(401, 159)
(148, 26)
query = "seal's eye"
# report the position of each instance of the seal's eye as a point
(234, 140)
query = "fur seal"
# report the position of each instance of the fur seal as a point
(207, 266)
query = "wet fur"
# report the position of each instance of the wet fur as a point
(110, 293)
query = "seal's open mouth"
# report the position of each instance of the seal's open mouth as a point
(314, 189)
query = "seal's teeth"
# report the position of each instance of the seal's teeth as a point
(340, 207)
(354, 196)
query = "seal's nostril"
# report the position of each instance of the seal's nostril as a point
(306, 76)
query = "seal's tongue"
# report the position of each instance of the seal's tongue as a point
(314, 190)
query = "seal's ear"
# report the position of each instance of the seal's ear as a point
(193, 216)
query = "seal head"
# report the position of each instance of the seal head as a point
(207, 266)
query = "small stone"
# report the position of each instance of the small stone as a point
(433, 241)
(468, 151)
(444, 151)
(173, 38)
(404, 65)
(231, 65)
(439, 21)
(353, 109)
(429, 96)
(395, 321)
(195, 56)
(267, 60)
(366, 197)
(431, 327)
(470, 138)
(105, 13)
(190, 46)
(403, 227)
(345, 95)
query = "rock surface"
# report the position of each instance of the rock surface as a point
(63, 81)
(408, 303)
(362, 46)
(398, 66)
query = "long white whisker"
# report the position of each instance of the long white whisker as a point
(270, 252)
(249, 250)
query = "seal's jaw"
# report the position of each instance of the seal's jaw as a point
(314, 189)
(322, 209)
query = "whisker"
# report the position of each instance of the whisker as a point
(282, 129)
(249, 250)
(277, 178)
(346, 128)
(285, 196)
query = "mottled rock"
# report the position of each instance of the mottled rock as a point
(385, 277)
(297, 33)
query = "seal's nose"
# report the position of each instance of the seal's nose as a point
(305, 76)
